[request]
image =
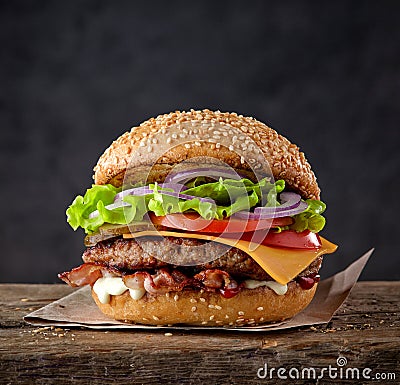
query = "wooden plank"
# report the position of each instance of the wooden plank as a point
(366, 331)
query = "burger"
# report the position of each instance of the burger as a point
(201, 218)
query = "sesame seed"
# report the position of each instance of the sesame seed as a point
(169, 140)
(167, 294)
(218, 322)
(154, 140)
(201, 291)
(240, 312)
(216, 132)
(197, 144)
(231, 148)
(225, 133)
(194, 308)
(174, 136)
(163, 130)
(218, 145)
(176, 297)
(168, 334)
(185, 130)
(211, 306)
(187, 145)
(155, 318)
(218, 307)
(261, 319)
(212, 317)
(182, 135)
(230, 323)
(149, 149)
(144, 319)
(242, 160)
(193, 300)
(260, 308)
(142, 144)
(204, 323)
(226, 316)
(202, 299)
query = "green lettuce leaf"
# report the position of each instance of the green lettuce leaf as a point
(226, 191)
(95, 198)
(229, 195)
(161, 204)
(310, 219)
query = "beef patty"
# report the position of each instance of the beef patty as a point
(151, 253)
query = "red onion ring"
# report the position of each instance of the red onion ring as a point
(184, 176)
(186, 197)
(112, 206)
(289, 200)
(143, 190)
(292, 205)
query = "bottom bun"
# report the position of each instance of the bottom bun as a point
(193, 307)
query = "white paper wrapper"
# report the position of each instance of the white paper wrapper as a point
(79, 309)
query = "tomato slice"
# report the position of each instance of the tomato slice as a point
(247, 230)
(288, 238)
(194, 222)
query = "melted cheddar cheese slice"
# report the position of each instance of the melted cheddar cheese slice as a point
(282, 264)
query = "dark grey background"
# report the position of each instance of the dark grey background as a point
(74, 75)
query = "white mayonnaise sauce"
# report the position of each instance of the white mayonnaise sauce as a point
(106, 286)
(275, 286)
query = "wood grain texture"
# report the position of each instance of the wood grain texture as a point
(365, 330)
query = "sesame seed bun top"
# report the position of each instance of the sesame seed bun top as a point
(234, 139)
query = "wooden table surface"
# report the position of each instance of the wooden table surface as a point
(365, 331)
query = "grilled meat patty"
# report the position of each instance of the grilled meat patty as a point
(151, 253)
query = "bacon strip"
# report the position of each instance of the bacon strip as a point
(86, 274)
(214, 278)
(163, 281)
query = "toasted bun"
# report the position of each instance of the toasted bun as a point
(191, 307)
(205, 129)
